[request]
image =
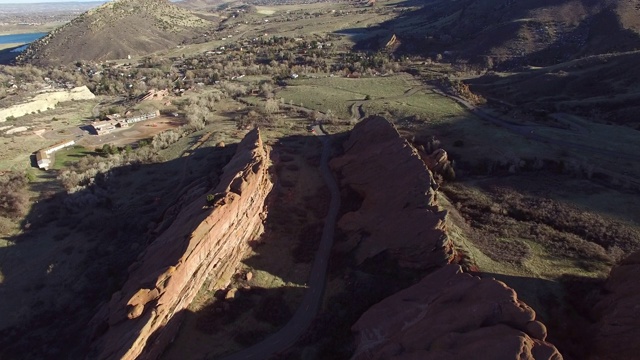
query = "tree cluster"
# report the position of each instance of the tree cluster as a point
(14, 195)
(94, 170)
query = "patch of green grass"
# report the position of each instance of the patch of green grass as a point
(425, 105)
(339, 93)
(319, 98)
(376, 87)
(251, 79)
(70, 155)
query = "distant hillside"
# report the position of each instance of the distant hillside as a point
(200, 4)
(602, 87)
(114, 31)
(534, 32)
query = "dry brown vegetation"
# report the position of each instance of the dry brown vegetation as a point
(506, 222)
(14, 196)
(129, 25)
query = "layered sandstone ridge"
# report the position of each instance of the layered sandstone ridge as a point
(399, 213)
(617, 331)
(203, 241)
(452, 315)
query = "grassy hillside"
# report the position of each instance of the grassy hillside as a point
(114, 31)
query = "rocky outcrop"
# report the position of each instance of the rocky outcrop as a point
(452, 315)
(207, 239)
(617, 331)
(437, 161)
(398, 212)
(46, 101)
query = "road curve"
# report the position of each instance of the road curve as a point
(312, 300)
(526, 131)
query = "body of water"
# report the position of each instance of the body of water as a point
(20, 39)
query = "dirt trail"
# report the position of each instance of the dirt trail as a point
(573, 124)
(312, 300)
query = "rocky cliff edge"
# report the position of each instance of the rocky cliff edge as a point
(142, 318)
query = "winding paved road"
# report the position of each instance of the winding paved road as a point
(312, 300)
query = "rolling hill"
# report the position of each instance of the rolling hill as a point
(600, 87)
(116, 30)
(514, 33)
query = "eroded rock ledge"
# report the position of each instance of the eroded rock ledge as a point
(616, 333)
(142, 318)
(399, 213)
(452, 315)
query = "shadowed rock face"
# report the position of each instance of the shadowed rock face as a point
(399, 212)
(617, 332)
(141, 319)
(452, 315)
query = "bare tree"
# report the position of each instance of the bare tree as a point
(272, 106)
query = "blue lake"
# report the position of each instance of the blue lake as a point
(20, 38)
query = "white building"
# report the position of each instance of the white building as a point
(42, 156)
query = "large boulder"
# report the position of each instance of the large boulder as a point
(452, 315)
(399, 213)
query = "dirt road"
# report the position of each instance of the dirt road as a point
(312, 300)
(357, 111)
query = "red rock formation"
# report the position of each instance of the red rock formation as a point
(452, 315)
(140, 320)
(399, 212)
(436, 161)
(617, 331)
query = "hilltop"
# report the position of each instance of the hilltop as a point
(116, 30)
(514, 33)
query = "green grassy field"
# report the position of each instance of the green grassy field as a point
(339, 93)
(319, 98)
(67, 156)
(376, 87)
(431, 107)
